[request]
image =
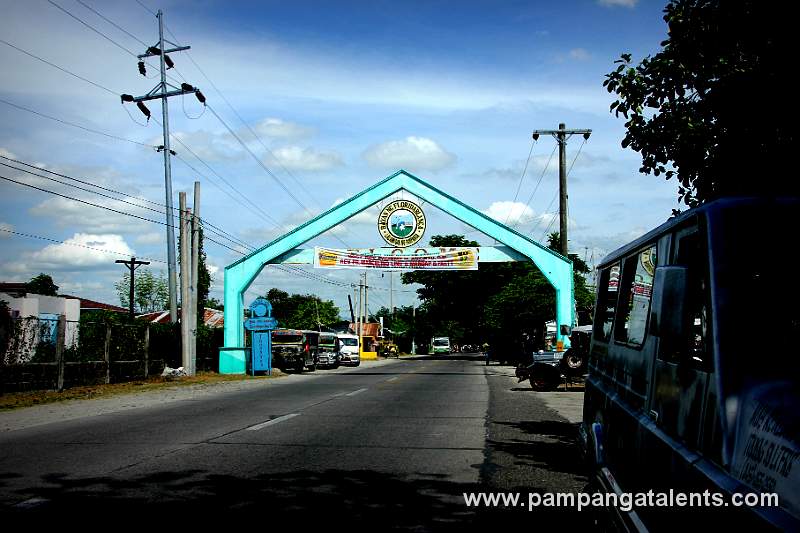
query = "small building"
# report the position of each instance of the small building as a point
(212, 318)
(38, 314)
(370, 331)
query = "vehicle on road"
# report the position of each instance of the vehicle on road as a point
(295, 349)
(677, 395)
(387, 349)
(328, 350)
(440, 345)
(349, 353)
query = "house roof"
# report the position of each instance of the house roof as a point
(93, 305)
(15, 289)
(212, 318)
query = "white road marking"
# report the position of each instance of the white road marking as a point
(393, 379)
(359, 391)
(271, 422)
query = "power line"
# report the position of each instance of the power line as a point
(118, 138)
(116, 93)
(62, 69)
(33, 236)
(81, 188)
(544, 171)
(249, 128)
(521, 178)
(120, 28)
(74, 125)
(106, 37)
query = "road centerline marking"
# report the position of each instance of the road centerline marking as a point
(272, 422)
(359, 391)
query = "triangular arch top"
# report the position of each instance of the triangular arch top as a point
(240, 274)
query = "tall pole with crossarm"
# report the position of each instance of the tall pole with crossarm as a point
(132, 265)
(561, 135)
(163, 91)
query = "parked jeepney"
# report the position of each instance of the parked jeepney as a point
(328, 350)
(295, 349)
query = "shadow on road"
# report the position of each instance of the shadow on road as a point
(350, 500)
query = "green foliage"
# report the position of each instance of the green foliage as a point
(43, 284)
(498, 301)
(301, 311)
(150, 293)
(695, 110)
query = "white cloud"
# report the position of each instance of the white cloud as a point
(307, 159)
(618, 3)
(4, 228)
(80, 252)
(210, 146)
(6, 153)
(280, 129)
(412, 153)
(512, 213)
(68, 213)
(150, 238)
(579, 54)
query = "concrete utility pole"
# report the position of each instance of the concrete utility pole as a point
(194, 279)
(186, 299)
(162, 91)
(132, 265)
(561, 135)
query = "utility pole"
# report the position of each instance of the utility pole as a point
(561, 135)
(414, 330)
(132, 265)
(193, 284)
(163, 91)
(186, 299)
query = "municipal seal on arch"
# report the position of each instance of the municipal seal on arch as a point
(401, 223)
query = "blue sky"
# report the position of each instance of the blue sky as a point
(342, 94)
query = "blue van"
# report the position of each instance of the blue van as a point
(694, 369)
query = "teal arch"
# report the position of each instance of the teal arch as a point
(240, 274)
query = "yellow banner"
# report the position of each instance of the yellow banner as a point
(397, 258)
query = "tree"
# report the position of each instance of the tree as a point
(584, 295)
(301, 311)
(150, 293)
(43, 284)
(698, 110)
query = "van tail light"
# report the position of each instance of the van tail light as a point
(307, 347)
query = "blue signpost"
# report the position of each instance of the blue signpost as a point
(261, 324)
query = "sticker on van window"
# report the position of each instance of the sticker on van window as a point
(766, 452)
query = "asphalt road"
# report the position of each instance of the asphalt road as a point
(387, 446)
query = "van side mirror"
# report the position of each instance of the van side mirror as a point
(670, 304)
(565, 329)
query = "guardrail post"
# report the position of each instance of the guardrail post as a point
(61, 334)
(107, 353)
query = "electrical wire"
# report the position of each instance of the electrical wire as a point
(544, 171)
(33, 236)
(62, 69)
(519, 185)
(120, 28)
(74, 125)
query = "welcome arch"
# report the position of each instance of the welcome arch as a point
(240, 274)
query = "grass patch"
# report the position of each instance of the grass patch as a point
(16, 400)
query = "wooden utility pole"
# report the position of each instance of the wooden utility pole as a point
(132, 265)
(561, 135)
